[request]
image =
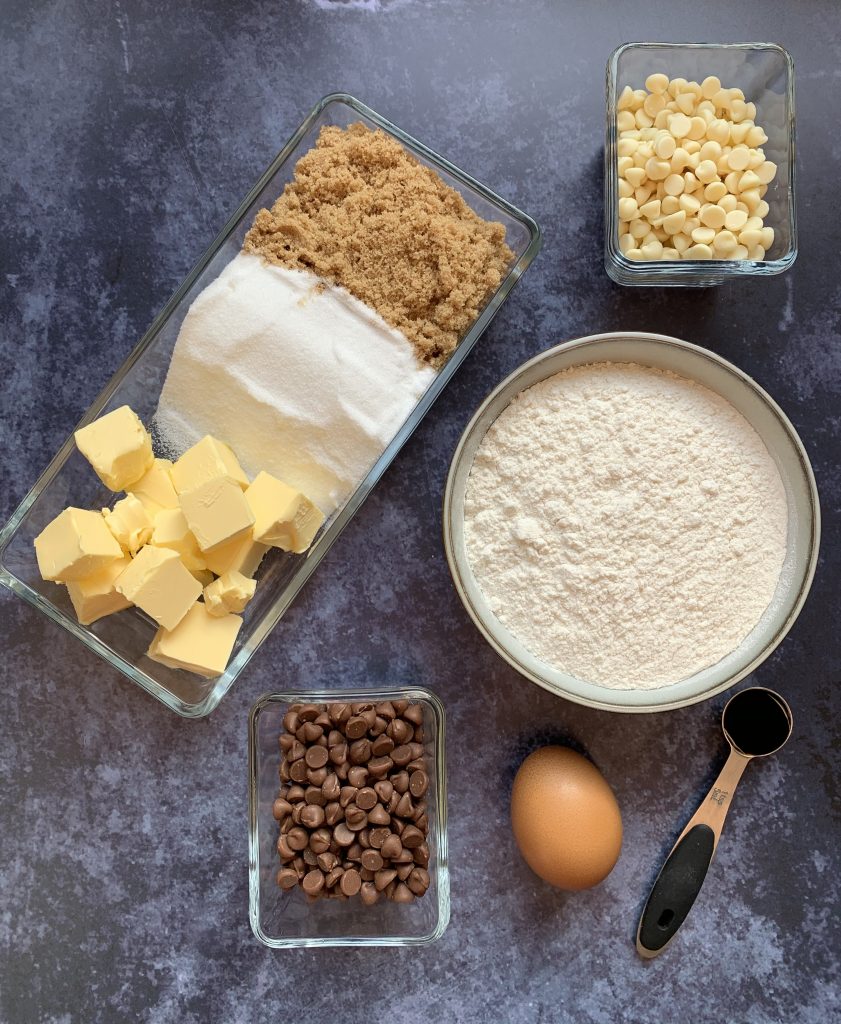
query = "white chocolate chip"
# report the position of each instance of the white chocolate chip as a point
(714, 191)
(735, 220)
(690, 204)
(706, 171)
(657, 83)
(766, 171)
(679, 125)
(656, 169)
(738, 158)
(664, 145)
(748, 180)
(750, 237)
(713, 216)
(651, 210)
(703, 234)
(673, 223)
(724, 243)
(674, 185)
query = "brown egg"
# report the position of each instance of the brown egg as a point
(565, 818)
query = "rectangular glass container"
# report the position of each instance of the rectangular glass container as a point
(765, 73)
(122, 639)
(286, 918)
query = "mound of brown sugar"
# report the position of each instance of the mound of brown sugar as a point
(365, 214)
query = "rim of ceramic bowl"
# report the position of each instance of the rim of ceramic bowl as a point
(512, 650)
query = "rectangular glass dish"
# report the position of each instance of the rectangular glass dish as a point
(122, 639)
(281, 919)
(765, 73)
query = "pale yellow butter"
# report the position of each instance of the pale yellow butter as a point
(283, 517)
(217, 512)
(118, 447)
(158, 582)
(96, 596)
(230, 593)
(171, 531)
(200, 643)
(243, 554)
(130, 523)
(155, 488)
(206, 460)
(76, 544)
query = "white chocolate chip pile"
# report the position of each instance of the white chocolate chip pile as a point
(692, 173)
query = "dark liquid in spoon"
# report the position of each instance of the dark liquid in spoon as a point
(756, 722)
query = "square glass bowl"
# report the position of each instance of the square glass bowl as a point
(765, 74)
(281, 919)
(122, 639)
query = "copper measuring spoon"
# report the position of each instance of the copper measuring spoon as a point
(756, 722)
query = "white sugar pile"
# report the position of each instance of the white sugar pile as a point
(296, 375)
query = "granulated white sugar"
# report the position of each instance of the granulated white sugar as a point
(626, 524)
(299, 377)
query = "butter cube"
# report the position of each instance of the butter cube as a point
(171, 531)
(205, 461)
(129, 521)
(118, 447)
(217, 512)
(158, 582)
(76, 544)
(200, 643)
(96, 596)
(283, 517)
(230, 593)
(243, 554)
(155, 488)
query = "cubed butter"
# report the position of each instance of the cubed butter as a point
(96, 596)
(130, 523)
(118, 447)
(283, 517)
(206, 460)
(155, 488)
(217, 512)
(244, 554)
(200, 643)
(171, 531)
(204, 576)
(76, 544)
(158, 582)
(230, 593)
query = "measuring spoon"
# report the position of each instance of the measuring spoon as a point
(756, 722)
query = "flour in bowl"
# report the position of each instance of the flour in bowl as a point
(627, 525)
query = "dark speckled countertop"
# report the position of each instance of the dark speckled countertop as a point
(130, 130)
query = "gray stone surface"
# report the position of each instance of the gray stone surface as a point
(130, 131)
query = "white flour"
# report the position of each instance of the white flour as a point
(626, 524)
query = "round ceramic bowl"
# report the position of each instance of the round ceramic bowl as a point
(779, 436)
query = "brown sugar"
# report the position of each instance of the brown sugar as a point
(365, 214)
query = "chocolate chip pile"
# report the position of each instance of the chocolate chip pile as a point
(352, 803)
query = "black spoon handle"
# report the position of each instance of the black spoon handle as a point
(676, 889)
(681, 877)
